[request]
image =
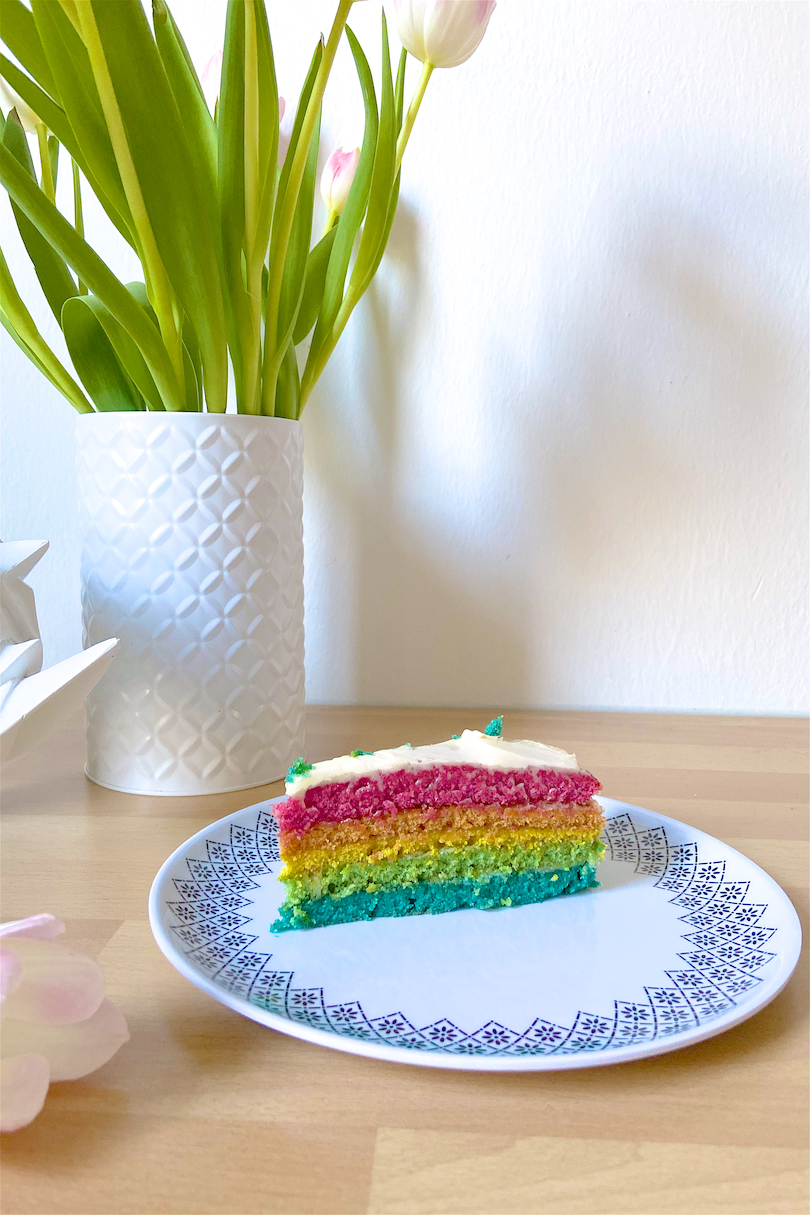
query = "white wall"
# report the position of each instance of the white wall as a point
(561, 455)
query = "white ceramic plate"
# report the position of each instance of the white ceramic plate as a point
(684, 939)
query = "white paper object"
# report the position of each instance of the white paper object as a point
(33, 702)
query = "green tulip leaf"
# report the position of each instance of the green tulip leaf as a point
(268, 115)
(192, 363)
(77, 400)
(231, 161)
(386, 232)
(23, 345)
(139, 293)
(70, 65)
(171, 184)
(97, 366)
(57, 121)
(54, 277)
(188, 94)
(288, 386)
(53, 157)
(20, 35)
(247, 129)
(40, 102)
(399, 90)
(275, 344)
(295, 266)
(92, 271)
(191, 350)
(372, 242)
(349, 223)
(295, 133)
(192, 385)
(379, 217)
(127, 353)
(317, 262)
(18, 322)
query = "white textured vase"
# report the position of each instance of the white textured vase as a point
(192, 555)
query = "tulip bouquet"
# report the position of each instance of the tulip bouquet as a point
(222, 232)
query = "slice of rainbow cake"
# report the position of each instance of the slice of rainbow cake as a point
(473, 822)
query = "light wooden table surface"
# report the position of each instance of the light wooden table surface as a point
(204, 1111)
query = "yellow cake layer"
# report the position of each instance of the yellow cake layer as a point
(478, 862)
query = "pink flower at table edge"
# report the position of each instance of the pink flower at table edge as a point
(56, 1022)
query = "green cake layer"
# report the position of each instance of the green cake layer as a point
(431, 898)
(443, 865)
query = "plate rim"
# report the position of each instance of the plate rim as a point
(608, 1057)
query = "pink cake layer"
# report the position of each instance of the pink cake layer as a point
(454, 785)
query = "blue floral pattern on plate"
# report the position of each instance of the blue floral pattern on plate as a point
(726, 944)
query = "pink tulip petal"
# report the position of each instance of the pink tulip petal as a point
(210, 79)
(23, 1089)
(11, 971)
(58, 986)
(337, 177)
(74, 1050)
(212, 69)
(36, 927)
(282, 106)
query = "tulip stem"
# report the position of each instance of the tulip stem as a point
(413, 110)
(48, 188)
(78, 213)
(282, 225)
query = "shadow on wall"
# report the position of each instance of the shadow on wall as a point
(408, 607)
(628, 510)
(667, 414)
(663, 394)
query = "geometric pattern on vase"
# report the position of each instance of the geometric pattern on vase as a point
(192, 555)
(724, 948)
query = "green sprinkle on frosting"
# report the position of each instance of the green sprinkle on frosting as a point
(299, 768)
(495, 727)
(354, 754)
(455, 736)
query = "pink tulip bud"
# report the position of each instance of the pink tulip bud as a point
(210, 78)
(442, 33)
(57, 1025)
(337, 177)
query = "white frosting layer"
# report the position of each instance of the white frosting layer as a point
(472, 747)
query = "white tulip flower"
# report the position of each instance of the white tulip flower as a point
(442, 33)
(12, 101)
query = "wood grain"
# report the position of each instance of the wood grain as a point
(204, 1111)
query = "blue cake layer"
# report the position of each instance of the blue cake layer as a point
(432, 898)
